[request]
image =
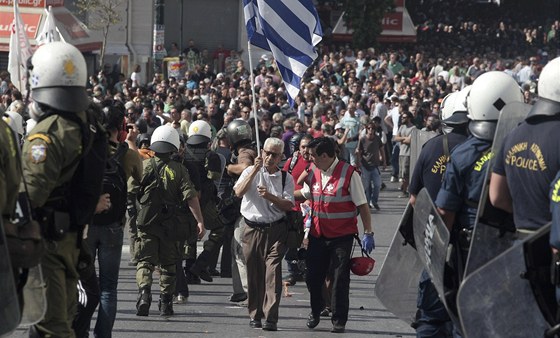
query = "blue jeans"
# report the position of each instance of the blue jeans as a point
(106, 243)
(433, 320)
(369, 177)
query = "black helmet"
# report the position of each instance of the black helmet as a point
(143, 139)
(294, 142)
(239, 131)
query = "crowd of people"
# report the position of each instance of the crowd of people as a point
(184, 160)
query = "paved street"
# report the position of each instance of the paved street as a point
(209, 313)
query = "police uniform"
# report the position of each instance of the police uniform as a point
(432, 317)
(10, 173)
(529, 160)
(463, 181)
(50, 157)
(431, 164)
(555, 226)
(209, 168)
(157, 244)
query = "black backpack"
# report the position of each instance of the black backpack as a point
(114, 183)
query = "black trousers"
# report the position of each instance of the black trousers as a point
(334, 255)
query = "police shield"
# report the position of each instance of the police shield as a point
(498, 299)
(34, 297)
(494, 230)
(223, 166)
(417, 140)
(402, 264)
(431, 237)
(9, 310)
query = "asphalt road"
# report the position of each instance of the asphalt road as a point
(209, 313)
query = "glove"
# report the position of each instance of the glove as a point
(368, 243)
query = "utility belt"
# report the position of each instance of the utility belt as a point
(260, 225)
(54, 223)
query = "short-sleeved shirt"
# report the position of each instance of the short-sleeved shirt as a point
(431, 164)
(464, 179)
(356, 188)
(260, 210)
(529, 160)
(405, 131)
(370, 151)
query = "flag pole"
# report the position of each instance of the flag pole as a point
(252, 75)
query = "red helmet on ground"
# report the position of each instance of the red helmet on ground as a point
(362, 266)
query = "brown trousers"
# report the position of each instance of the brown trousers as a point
(264, 249)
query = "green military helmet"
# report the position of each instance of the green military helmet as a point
(58, 77)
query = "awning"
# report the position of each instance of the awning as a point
(397, 27)
(72, 30)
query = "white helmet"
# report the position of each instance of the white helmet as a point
(58, 77)
(15, 121)
(549, 85)
(454, 109)
(548, 103)
(447, 105)
(489, 93)
(199, 132)
(165, 139)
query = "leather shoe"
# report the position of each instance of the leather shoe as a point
(337, 328)
(313, 321)
(201, 272)
(269, 326)
(238, 297)
(255, 324)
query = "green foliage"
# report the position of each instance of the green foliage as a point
(100, 16)
(364, 17)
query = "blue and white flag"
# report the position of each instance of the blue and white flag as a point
(290, 29)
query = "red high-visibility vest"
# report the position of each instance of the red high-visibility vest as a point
(334, 213)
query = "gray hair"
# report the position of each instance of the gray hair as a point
(274, 143)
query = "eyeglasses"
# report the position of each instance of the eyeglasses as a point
(270, 153)
(245, 111)
(369, 128)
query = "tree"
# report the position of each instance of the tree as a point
(101, 15)
(364, 17)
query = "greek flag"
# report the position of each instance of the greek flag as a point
(290, 29)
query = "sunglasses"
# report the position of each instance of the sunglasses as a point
(270, 153)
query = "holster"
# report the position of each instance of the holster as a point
(54, 224)
(24, 243)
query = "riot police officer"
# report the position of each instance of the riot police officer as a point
(63, 160)
(162, 220)
(463, 181)
(529, 159)
(208, 167)
(240, 136)
(432, 318)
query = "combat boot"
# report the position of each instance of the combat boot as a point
(143, 303)
(166, 305)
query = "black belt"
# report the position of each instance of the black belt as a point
(263, 225)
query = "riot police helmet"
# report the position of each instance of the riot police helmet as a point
(165, 139)
(489, 94)
(58, 76)
(239, 132)
(199, 132)
(548, 103)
